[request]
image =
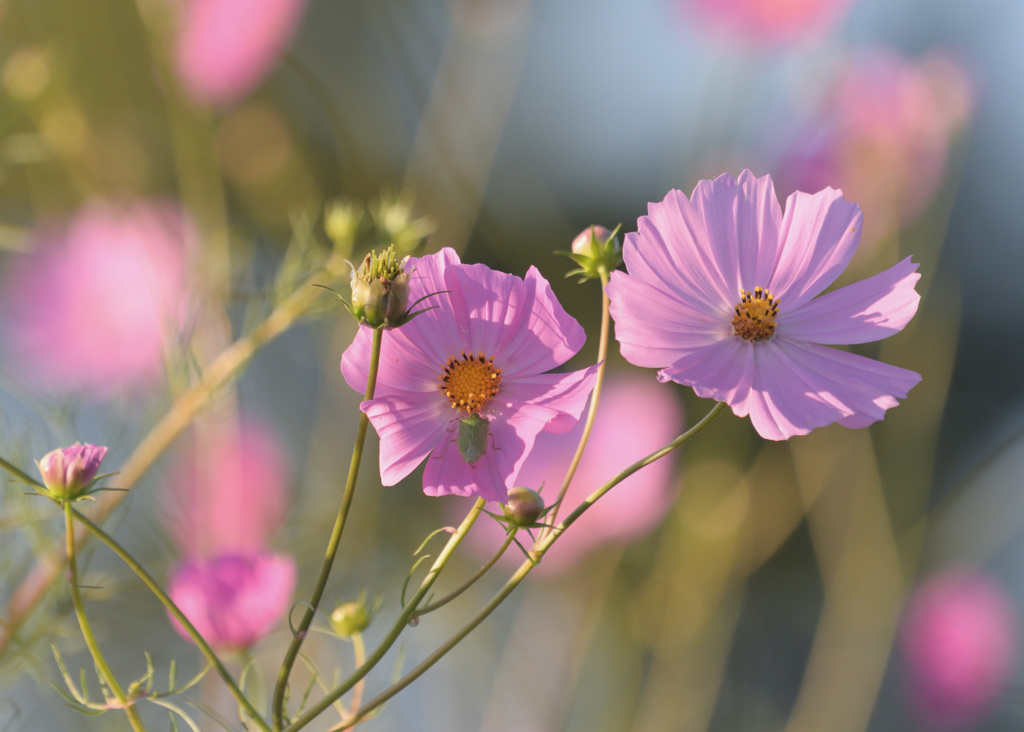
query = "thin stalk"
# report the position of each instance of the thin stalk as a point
(359, 657)
(396, 628)
(524, 569)
(167, 602)
(185, 408)
(472, 580)
(83, 622)
(602, 360)
(17, 473)
(335, 540)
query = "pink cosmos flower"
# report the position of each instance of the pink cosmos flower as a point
(770, 21)
(224, 502)
(233, 600)
(721, 296)
(635, 418)
(884, 134)
(481, 353)
(959, 642)
(226, 47)
(67, 470)
(92, 304)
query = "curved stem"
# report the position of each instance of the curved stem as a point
(333, 543)
(472, 580)
(185, 408)
(602, 359)
(542, 546)
(396, 628)
(83, 623)
(172, 608)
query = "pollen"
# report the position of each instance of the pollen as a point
(470, 381)
(756, 314)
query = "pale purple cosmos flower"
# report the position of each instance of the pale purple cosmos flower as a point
(93, 303)
(67, 470)
(959, 642)
(226, 47)
(722, 295)
(635, 418)
(769, 22)
(481, 351)
(224, 501)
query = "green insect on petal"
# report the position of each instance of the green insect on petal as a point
(473, 431)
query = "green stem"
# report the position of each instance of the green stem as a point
(396, 628)
(472, 580)
(185, 408)
(602, 360)
(167, 602)
(542, 546)
(23, 477)
(332, 545)
(83, 622)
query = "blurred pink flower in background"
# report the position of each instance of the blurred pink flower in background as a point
(92, 304)
(635, 417)
(224, 502)
(883, 136)
(769, 22)
(959, 642)
(226, 47)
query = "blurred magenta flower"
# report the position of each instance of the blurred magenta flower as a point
(634, 418)
(959, 643)
(92, 304)
(769, 22)
(883, 135)
(68, 470)
(233, 600)
(721, 296)
(225, 499)
(226, 47)
(477, 359)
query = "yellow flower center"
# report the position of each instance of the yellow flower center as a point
(469, 381)
(756, 313)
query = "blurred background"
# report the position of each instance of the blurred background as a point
(171, 171)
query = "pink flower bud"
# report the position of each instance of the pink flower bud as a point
(68, 471)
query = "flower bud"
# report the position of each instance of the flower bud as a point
(350, 618)
(380, 289)
(341, 222)
(595, 249)
(68, 471)
(523, 508)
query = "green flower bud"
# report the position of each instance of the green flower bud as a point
(350, 618)
(341, 222)
(380, 289)
(595, 250)
(524, 507)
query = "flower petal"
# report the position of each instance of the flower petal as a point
(655, 328)
(549, 338)
(448, 473)
(820, 233)
(865, 311)
(723, 371)
(554, 401)
(742, 219)
(804, 386)
(409, 428)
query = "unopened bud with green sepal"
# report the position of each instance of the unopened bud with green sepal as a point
(596, 250)
(523, 508)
